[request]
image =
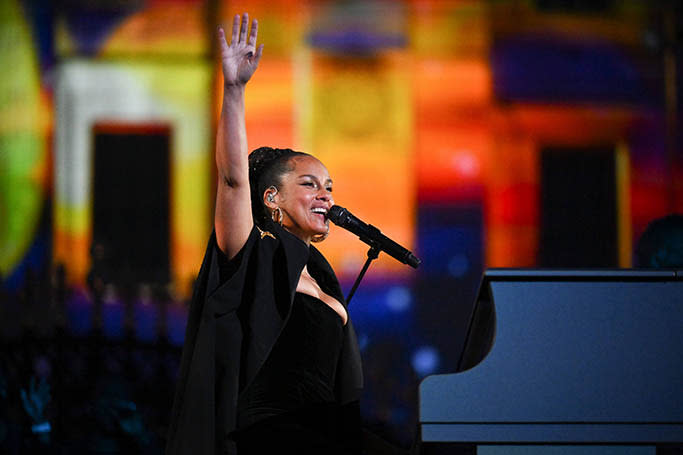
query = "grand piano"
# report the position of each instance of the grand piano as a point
(564, 361)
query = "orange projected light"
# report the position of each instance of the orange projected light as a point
(453, 138)
(447, 88)
(162, 28)
(360, 127)
(451, 162)
(269, 105)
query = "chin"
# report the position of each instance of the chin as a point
(323, 230)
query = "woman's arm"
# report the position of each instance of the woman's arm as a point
(233, 218)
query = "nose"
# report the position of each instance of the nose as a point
(325, 195)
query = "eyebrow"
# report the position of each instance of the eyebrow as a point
(329, 180)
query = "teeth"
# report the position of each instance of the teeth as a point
(319, 210)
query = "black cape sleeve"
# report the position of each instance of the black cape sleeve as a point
(236, 314)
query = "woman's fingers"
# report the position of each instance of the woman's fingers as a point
(243, 29)
(239, 30)
(235, 28)
(221, 39)
(253, 33)
(257, 57)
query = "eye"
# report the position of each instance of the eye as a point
(308, 184)
(329, 189)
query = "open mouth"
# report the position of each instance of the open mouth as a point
(320, 211)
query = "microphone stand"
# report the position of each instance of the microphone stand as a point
(373, 252)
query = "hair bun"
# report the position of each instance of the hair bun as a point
(261, 158)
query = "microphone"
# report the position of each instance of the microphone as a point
(371, 235)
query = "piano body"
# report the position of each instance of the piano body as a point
(580, 360)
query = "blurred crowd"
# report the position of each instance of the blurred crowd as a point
(87, 370)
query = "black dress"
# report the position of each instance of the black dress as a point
(238, 312)
(291, 403)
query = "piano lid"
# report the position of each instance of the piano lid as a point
(481, 332)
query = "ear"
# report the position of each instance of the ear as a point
(271, 197)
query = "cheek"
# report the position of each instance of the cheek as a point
(305, 197)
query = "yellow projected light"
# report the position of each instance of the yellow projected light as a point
(23, 124)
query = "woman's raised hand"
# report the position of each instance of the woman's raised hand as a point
(240, 58)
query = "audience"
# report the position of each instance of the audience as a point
(71, 384)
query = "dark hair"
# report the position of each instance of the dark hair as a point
(661, 245)
(267, 166)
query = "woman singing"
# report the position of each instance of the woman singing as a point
(271, 361)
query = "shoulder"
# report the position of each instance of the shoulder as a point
(265, 244)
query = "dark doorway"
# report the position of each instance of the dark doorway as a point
(131, 175)
(578, 207)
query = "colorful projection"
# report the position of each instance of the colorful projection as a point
(124, 30)
(168, 94)
(426, 106)
(24, 122)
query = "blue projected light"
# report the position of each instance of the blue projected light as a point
(79, 313)
(381, 306)
(542, 68)
(363, 340)
(382, 310)
(425, 360)
(447, 249)
(176, 321)
(451, 245)
(399, 299)
(146, 321)
(459, 265)
(356, 41)
(112, 318)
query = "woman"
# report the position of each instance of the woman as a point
(270, 360)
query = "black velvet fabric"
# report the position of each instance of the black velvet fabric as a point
(301, 368)
(238, 310)
(312, 430)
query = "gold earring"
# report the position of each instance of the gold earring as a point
(277, 216)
